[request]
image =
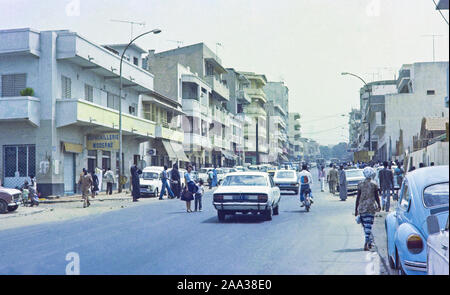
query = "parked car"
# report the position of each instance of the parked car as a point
(424, 192)
(150, 181)
(286, 180)
(437, 247)
(247, 192)
(203, 174)
(10, 199)
(354, 176)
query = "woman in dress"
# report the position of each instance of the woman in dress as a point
(189, 190)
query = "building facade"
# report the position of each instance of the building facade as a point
(294, 136)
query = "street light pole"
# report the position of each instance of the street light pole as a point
(368, 121)
(121, 164)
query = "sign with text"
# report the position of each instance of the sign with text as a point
(106, 141)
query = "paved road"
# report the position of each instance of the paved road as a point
(161, 238)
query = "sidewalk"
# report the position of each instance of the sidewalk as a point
(124, 195)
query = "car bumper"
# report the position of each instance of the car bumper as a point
(414, 267)
(148, 193)
(286, 186)
(352, 188)
(17, 203)
(240, 206)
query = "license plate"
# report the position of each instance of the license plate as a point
(240, 197)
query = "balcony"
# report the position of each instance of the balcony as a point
(83, 113)
(218, 87)
(242, 96)
(196, 140)
(21, 108)
(217, 142)
(168, 133)
(254, 110)
(20, 41)
(191, 107)
(279, 121)
(256, 93)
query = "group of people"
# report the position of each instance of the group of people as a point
(171, 182)
(333, 178)
(90, 183)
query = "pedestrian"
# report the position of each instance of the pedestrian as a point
(136, 188)
(398, 173)
(322, 178)
(198, 196)
(210, 178)
(386, 186)
(189, 190)
(342, 184)
(165, 184)
(332, 178)
(85, 183)
(367, 203)
(109, 178)
(432, 164)
(214, 179)
(412, 168)
(99, 172)
(421, 165)
(175, 183)
(95, 184)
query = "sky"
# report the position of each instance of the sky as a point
(306, 44)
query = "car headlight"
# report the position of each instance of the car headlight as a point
(414, 244)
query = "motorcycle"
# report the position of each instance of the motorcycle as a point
(307, 202)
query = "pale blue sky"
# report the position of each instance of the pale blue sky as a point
(306, 43)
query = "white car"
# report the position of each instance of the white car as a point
(437, 248)
(286, 180)
(354, 177)
(150, 181)
(247, 192)
(203, 174)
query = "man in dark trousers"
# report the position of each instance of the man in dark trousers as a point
(386, 186)
(136, 188)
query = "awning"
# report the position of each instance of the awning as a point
(228, 155)
(170, 152)
(179, 151)
(73, 148)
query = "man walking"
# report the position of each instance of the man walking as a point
(136, 187)
(342, 183)
(109, 178)
(332, 178)
(85, 182)
(165, 184)
(386, 185)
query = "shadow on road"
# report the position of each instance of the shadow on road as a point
(296, 211)
(238, 218)
(349, 250)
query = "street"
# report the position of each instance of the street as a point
(159, 237)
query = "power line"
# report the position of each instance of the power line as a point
(322, 118)
(325, 130)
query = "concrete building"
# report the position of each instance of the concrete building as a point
(294, 136)
(354, 123)
(277, 117)
(422, 88)
(256, 141)
(194, 74)
(71, 121)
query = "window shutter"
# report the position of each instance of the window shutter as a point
(88, 92)
(66, 85)
(13, 84)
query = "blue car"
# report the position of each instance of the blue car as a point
(424, 192)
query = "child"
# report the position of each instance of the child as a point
(198, 196)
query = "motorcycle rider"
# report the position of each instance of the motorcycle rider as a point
(305, 179)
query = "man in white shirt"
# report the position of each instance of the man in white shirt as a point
(305, 179)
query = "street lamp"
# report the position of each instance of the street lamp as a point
(368, 123)
(121, 168)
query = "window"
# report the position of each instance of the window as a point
(88, 93)
(66, 87)
(13, 84)
(430, 92)
(436, 195)
(404, 203)
(132, 109)
(135, 61)
(20, 159)
(112, 101)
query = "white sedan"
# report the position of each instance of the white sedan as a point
(247, 192)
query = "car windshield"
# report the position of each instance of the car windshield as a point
(202, 170)
(245, 180)
(150, 175)
(285, 174)
(354, 173)
(436, 195)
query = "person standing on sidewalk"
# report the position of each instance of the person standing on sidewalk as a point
(136, 192)
(386, 185)
(175, 181)
(85, 182)
(198, 196)
(165, 184)
(342, 183)
(109, 178)
(95, 183)
(367, 203)
(332, 179)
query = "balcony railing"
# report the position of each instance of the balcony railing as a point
(218, 86)
(256, 93)
(167, 133)
(20, 108)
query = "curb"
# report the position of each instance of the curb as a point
(27, 214)
(80, 200)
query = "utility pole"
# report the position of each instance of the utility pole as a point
(433, 36)
(257, 141)
(131, 25)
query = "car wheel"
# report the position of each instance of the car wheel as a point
(13, 208)
(268, 214)
(3, 207)
(221, 215)
(275, 210)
